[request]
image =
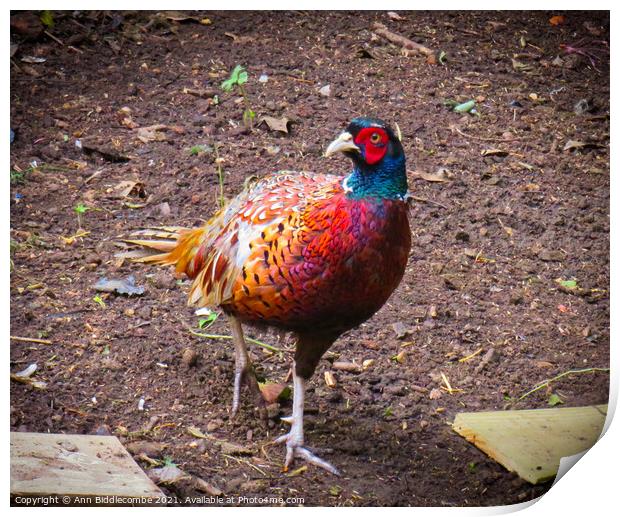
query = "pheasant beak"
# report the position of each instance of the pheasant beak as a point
(342, 144)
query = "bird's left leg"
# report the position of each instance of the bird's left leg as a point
(244, 371)
(295, 437)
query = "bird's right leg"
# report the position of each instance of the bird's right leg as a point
(244, 372)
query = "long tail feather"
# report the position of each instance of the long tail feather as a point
(156, 248)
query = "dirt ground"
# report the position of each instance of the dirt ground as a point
(508, 279)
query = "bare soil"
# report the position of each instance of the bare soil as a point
(520, 209)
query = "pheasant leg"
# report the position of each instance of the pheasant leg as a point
(244, 372)
(295, 438)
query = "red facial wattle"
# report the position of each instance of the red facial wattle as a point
(375, 142)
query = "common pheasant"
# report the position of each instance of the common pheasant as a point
(314, 254)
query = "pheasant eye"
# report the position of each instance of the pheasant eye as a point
(375, 138)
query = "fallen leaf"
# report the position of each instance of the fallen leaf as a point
(494, 152)
(325, 91)
(271, 391)
(168, 475)
(25, 377)
(401, 329)
(556, 20)
(195, 432)
(206, 487)
(129, 188)
(441, 176)
(578, 144)
(126, 286)
(33, 60)
(239, 39)
(275, 124)
(152, 133)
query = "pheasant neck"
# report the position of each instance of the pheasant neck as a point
(386, 181)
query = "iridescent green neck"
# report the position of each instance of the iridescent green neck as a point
(386, 181)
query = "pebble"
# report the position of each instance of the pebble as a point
(189, 357)
(214, 425)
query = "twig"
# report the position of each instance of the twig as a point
(50, 35)
(220, 336)
(430, 201)
(405, 43)
(545, 383)
(32, 340)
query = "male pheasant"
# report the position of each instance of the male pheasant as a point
(315, 254)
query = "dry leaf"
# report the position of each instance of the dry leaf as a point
(275, 124)
(557, 20)
(25, 377)
(195, 432)
(130, 188)
(394, 16)
(152, 133)
(494, 152)
(168, 475)
(271, 391)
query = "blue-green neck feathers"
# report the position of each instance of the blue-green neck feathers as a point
(386, 180)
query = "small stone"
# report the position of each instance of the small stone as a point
(435, 394)
(325, 91)
(151, 449)
(401, 329)
(144, 313)
(189, 357)
(164, 280)
(550, 255)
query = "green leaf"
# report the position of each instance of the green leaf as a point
(237, 76)
(287, 394)
(554, 400)
(208, 321)
(81, 209)
(569, 284)
(443, 57)
(335, 490)
(47, 19)
(169, 462)
(227, 85)
(466, 107)
(99, 300)
(388, 411)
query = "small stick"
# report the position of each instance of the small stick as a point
(406, 43)
(546, 383)
(424, 200)
(32, 340)
(50, 35)
(220, 336)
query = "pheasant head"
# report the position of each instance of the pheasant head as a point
(378, 160)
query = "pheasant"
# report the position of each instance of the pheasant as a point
(314, 254)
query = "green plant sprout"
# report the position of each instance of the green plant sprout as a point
(80, 209)
(238, 77)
